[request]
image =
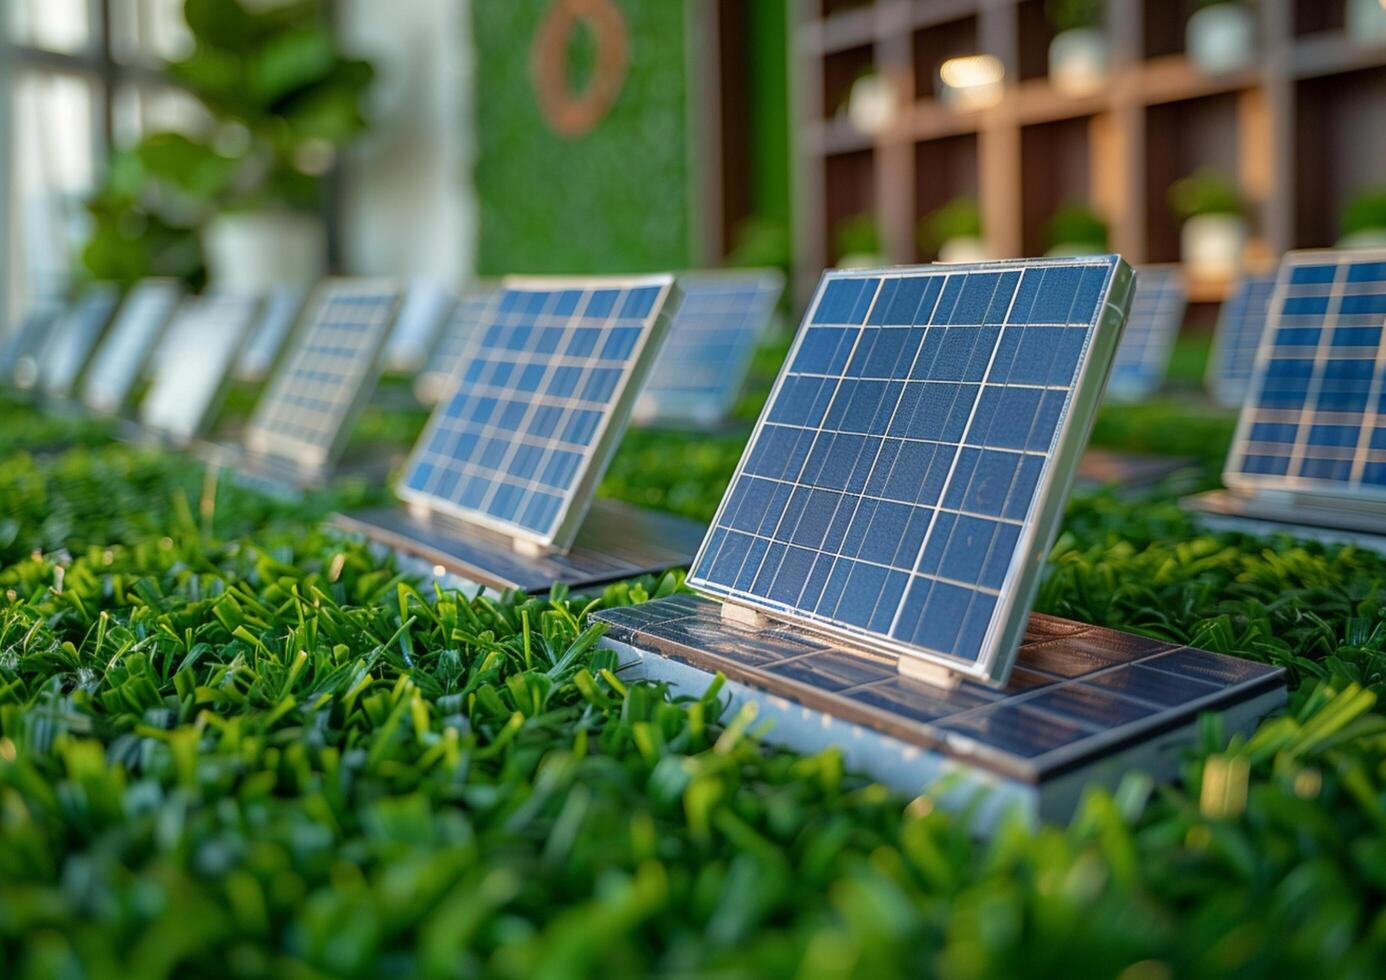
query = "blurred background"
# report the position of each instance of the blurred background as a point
(254, 142)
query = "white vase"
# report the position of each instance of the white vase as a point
(1221, 38)
(255, 251)
(1078, 62)
(1212, 246)
(1366, 238)
(1366, 22)
(964, 250)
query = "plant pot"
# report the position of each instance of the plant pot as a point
(1221, 38)
(1212, 245)
(1366, 22)
(255, 251)
(1366, 238)
(964, 250)
(1078, 62)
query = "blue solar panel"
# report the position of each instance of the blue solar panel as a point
(540, 404)
(193, 364)
(274, 325)
(1240, 324)
(124, 353)
(703, 365)
(75, 335)
(1157, 312)
(19, 356)
(307, 412)
(908, 473)
(436, 381)
(1315, 418)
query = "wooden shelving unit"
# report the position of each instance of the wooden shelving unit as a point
(1301, 131)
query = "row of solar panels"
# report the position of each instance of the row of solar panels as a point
(99, 347)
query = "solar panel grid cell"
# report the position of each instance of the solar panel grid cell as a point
(893, 478)
(1315, 417)
(1240, 324)
(306, 414)
(1157, 312)
(703, 364)
(124, 353)
(537, 409)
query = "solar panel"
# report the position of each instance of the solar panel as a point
(124, 352)
(307, 413)
(1240, 324)
(1157, 312)
(421, 314)
(475, 308)
(74, 336)
(541, 403)
(19, 356)
(703, 364)
(276, 321)
(1315, 417)
(907, 476)
(193, 364)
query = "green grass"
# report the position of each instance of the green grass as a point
(233, 744)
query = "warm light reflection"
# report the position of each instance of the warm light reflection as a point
(972, 81)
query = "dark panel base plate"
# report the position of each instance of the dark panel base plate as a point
(1133, 471)
(617, 541)
(1329, 522)
(1083, 705)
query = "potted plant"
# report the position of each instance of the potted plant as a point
(1364, 220)
(858, 243)
(1076, 229)
(283, 101)
(1078, 55)
(1221, 36)
(1366, 22)
(954, 232)
(1214, 233)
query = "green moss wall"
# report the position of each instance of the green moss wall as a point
(613, 200)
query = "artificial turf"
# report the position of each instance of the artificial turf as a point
(233, 744)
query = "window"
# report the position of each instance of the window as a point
(85, 75)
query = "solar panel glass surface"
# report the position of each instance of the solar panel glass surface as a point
(909, 469)
(307, 412)
(460, 330)
(1157, 312)
(75, 334)
(703, 364)
(193, 364)
(421, 314)
(273, 325)
(541, 401)
(1315, 418)
(121, 359)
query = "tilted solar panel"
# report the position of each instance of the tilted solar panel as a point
(461, 329)
(907, 476)
(541, 403)
(194, 362)
(702, 367)
(1240, 324)
(1157, 312)
(19, 356)
(1315, 417)
(306, 414)
(121, 359)
(421, 314)
(272, 328)
(75, 334)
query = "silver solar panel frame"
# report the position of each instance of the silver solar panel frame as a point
(652, 408)
(1292, 485)
(433, 385)
(1166, 332)
(577, 498)
(194, 311)
(1215, 379)
(122, 358)
(300, 455)
(1041, 524)
(63, 385)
